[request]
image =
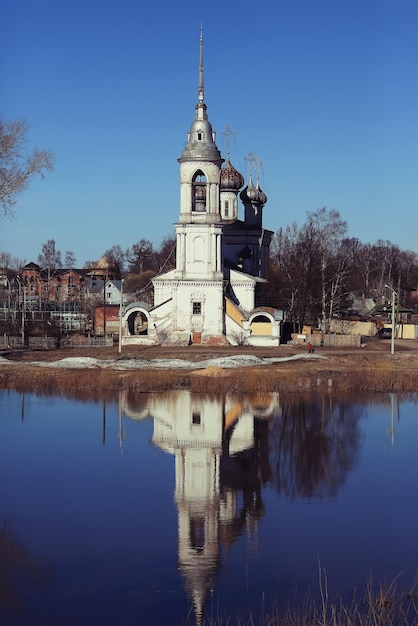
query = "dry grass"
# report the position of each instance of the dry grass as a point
(381, 378)
(370, 369)
(69, 382)
(386, 605)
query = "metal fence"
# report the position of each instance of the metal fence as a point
(50, 343)
(87, 342)
(11, 342)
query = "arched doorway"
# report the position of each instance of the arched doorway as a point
(261, 324)
(136, 320)
(137, 323)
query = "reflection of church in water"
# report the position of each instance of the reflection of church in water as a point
(221, 465)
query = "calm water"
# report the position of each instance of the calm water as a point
(148, 509)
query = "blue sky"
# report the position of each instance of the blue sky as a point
(325, 92)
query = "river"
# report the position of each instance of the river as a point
(163, 508)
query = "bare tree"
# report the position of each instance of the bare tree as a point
(408, 264)
(17, 264)
(18, 167)
(69, 262)
(116, 257)
(140, 256)
(50, 257)
(365, 264)
(294, 262)
(339, 297)
(312, 267)
(387, 256)
(5, 260)
(165, 256)
(329, 230)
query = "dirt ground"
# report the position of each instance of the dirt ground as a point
(374, 352)
(370, 368)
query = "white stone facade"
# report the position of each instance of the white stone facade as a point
(218, 256)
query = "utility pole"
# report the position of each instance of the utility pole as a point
(104, 306)
(392, 340)
(120, 317)
(22, 302)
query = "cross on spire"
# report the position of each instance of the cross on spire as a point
(258, 164)
(250, 159)
(228, 134)
(255, 165)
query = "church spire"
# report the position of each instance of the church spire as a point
(201, 144)
(201, 90)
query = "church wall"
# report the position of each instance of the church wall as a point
(236, 240)
(161, 324)
(163, 288)
(229, 206)
(202, 251)
(207, 294)
(244, 290)
(189, 307)
(198, 251)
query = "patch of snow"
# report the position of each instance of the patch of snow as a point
(71, 362)
(243, 360)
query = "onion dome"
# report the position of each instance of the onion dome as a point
(250, 193)
(262, 198)
(231, 179)
(253, 194)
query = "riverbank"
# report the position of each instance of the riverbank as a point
(286, 368)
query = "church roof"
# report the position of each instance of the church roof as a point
(241, 225)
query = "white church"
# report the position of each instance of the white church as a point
(213, 296)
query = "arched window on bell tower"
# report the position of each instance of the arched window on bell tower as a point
(199, 192)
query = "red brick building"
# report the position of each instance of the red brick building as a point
(61, 285)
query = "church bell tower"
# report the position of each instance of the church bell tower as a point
(198, 281)
(199, 227)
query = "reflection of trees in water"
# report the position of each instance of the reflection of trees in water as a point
(313, 444)
(16, 564)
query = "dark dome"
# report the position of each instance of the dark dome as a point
(253, 194)
(262, 196)
(250, 193)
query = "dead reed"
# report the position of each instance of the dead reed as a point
(38, 379)
(386, 605)
(380, 378)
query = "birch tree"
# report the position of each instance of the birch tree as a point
(328, 229)
(18, 167)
